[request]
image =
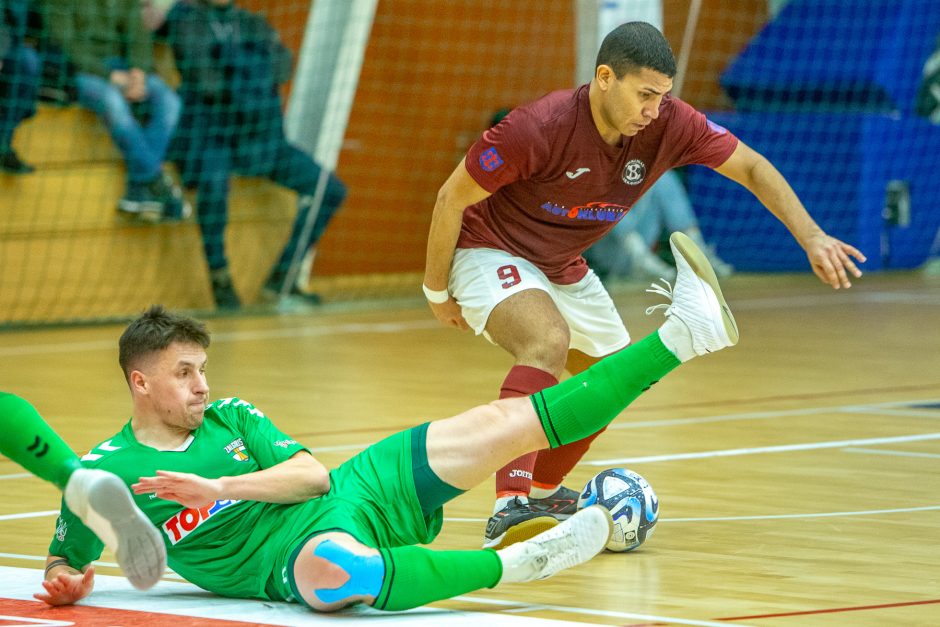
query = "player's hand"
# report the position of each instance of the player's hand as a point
(136, 90)
(186, 489)
(832, 260)
(67, 588)
(449, 314)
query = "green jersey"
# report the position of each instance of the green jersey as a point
(243, 548)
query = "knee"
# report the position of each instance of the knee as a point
(549, 348)
(333, 570)
(115, 109)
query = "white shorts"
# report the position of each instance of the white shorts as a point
(481, 278)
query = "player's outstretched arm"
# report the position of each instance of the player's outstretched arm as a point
(458, 192)
(63, 584)
(830, 258)
(298, 479)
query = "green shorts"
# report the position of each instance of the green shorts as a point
(374, 497)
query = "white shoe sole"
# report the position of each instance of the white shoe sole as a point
(683, 246)
(105, 504)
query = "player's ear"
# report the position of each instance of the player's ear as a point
(138, 381)
(604, 76)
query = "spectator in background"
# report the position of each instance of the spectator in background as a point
(231, 64)
(928, 106)
(19, 81)
(627, 251)
(112, 53)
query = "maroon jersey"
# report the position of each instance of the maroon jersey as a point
(557, 187)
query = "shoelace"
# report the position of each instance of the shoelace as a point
(667, 291)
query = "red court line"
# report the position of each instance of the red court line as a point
(88, 616)
(832, 610)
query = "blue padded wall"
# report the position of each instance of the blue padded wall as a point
(850, 55)
(840, 166)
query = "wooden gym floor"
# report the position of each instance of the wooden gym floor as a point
(799, 473)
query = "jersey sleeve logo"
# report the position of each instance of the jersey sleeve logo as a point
(490, 159)
(61, 529)
(717, 129)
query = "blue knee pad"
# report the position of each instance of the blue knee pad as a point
(366, 572)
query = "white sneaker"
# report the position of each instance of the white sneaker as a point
(568, 544)
(106, 506)
(698, 321)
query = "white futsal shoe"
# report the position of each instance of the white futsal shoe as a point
(698, 320)
(571, 542)
(106, 506)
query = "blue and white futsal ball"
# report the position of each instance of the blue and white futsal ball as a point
(631, 502)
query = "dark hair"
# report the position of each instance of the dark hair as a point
(153, 331)
(636, 45)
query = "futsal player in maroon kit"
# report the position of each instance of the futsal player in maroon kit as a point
(512, 220)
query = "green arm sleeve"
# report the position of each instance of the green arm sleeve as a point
(74, 541)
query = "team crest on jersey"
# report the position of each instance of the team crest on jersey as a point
(634, 172)
(237, 450)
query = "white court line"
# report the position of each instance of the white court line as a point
(17, 475)
(51, 512)
(876, 451)
(870, 512)
(912, 413)
(185, 599)
(783, 448)
(893, 408)
(19, 621)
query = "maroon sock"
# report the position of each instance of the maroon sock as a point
(516, 476)
(553, 464)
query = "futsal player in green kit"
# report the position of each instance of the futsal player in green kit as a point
(100, 499)
(246, 511)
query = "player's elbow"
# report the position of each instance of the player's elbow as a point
(318, 479)
(321, 483)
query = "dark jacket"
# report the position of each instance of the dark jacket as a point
(99, 36)
(13, 22)
(227, 56)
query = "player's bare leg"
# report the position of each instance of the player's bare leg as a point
(529, 326)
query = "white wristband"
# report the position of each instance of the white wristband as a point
(438, 297)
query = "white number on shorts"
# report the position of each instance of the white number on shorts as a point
(509, 275)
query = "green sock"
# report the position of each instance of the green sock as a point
(32, 443)
(415, 575)
(583, 404)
